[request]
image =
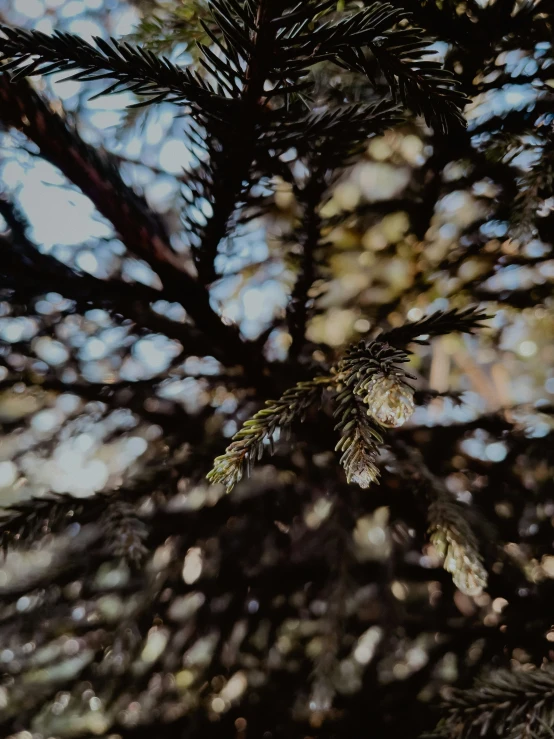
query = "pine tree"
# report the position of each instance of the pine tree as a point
(295, 535)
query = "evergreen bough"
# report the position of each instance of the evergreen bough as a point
(264, 611)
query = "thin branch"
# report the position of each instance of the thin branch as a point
(235, 158)
(248, 444)
(30, 274)
(298, 309)
(28, 52)
(141, 230)
(437, 324)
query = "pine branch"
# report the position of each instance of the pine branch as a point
(535, 187)
(298, 308)
(132, 396)
(374, 387)
(372, 372)
(232, 152)
(450, 527)
(437, 324)
(365, 358)
(422, 85)
(248, 444)
(92, 170)
(125, 532)
(232, 145)
(360, 439)
(29, 52)
(343, 126)
(141, 230)
(260, 129)
(328, 141)
(27, 522)
(29, 274)
(510, 704)
(174, 24)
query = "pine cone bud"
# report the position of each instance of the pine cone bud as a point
(463, 563)
(358, 459)
(362, 471)
(390, 401)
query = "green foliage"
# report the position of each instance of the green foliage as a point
(421, 85)
(507, 704)
(280, 610)
(377, 36)
(371, 394)
(360, 439)
(29, 521)
(247, 89)
(125, 532)
(372, 371)
(333, 134)
(136, 69)
(248, 444)
(171, 24)
(437, 324)
(361, 362)
(361, 366)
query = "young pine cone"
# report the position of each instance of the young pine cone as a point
(390, 401)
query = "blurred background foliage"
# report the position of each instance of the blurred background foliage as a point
(418, 223)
